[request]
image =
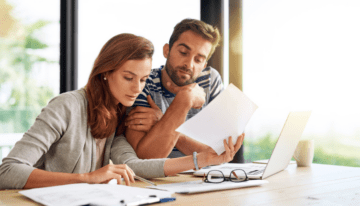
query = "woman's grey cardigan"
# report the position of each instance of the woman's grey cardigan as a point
(60, 141)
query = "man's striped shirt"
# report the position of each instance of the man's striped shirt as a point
(209, 79)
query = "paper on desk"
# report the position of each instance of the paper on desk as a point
(95, 194)
(200, 186)
(227, 115)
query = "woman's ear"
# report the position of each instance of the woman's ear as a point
(166, 50)
(106, 76)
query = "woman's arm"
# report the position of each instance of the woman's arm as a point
(123, 153)
(209, 157)
(41, 178)
(47, 129)
(20, 169)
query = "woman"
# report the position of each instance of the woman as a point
(77, 133)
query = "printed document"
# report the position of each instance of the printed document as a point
(225, 116)
(200, 186)
(94, 194)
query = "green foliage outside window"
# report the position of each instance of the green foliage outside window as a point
(262, 148)
(20, 54)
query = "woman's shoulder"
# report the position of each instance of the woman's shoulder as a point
(70, 98)
(68, 103)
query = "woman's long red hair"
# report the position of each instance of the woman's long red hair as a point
(103, 115)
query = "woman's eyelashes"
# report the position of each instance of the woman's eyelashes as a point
(131, 79)
(128, 78)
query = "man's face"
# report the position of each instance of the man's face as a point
(187, 58)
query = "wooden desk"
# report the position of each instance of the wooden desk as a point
(315, 185)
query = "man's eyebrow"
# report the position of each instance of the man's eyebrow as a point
(186, 46)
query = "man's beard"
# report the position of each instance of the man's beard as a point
(171, 71)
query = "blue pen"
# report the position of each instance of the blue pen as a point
(168, 199)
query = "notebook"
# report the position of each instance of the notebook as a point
(281, 155)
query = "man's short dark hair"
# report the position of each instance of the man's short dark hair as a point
(205, 30)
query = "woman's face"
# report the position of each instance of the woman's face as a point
(128, 81)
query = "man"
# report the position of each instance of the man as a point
(179, 91)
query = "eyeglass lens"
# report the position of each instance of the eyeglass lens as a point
(238, 176)
(215, 176)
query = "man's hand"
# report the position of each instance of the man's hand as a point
(143, 118)
(193, 92)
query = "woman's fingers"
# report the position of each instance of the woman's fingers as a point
(118, 178)
(231, 144)
(126, 178)
(131, 175)
(239, 141)
(126, 173)
(228, 152)
(111, 171)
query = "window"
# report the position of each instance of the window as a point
(29, 64)
(304, 55)
(154, 20)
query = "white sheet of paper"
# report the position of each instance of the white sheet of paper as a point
(97, 194)
(200, 186)
(227, 115)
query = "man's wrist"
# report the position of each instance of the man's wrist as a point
(184, 99)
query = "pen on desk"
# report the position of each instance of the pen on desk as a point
(144, 180)
(139, 178)
(168, 199)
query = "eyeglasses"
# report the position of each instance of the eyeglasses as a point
(216, 176)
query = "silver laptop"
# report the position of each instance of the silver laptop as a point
(281, 155)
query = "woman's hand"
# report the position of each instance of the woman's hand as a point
(144, 118)
(230, 150)
(109, 172)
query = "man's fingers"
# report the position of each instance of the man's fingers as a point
(138, 109)
(152, 103)
(137, 121)
(138, 115)
(137, 127)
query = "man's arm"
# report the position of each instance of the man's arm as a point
(160, 140)
(187, 145)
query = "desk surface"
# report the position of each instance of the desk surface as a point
(315, 185)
